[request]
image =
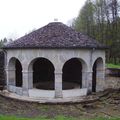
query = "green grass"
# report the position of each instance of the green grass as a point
(56, 118)
(39, 118)
(2, 117)
(20, 118)
(109, 65)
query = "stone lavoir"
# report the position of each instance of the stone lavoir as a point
(54, 62)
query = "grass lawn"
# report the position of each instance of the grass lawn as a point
(57, 118)
(109, 65)
(2, 117)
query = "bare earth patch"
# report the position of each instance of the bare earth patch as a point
(107, 106)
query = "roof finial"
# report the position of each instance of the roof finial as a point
(55, 19)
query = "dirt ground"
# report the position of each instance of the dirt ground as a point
(107, 106)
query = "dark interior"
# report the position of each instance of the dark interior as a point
(94, 77)
(72, 73)
(18, 68)
(43, 74)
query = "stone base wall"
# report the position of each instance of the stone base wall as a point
(15, 89)
(112, 78)
(112, 82)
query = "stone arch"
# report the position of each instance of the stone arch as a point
(72, 73)
(15, 72)
(41, 74)
(97, 74)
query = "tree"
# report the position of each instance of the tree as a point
(85, 21)
(100, 19)
(2, 42)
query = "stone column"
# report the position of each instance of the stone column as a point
(7, 79)
(84, 80)
(11, 76)
(25, 83)
(87, 80)
(58, 84)
(100, 80)
(30, 79)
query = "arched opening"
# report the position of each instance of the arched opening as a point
(15, 72)
(94, 77)
(97, 70)
(43, 74)
(18, 68)
(72, 74)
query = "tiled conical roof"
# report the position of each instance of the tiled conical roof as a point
(54, 35)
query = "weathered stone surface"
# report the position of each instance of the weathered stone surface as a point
(36, 93)
(58, 85)
(112, 82)
(75, 93)
(112, 78)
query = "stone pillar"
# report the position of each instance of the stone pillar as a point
(87, 80)
(30, 79)
(100, 80)
(58, 84)
(11, 76)
(89, 83)
(7, 79)
(25, 83)
(84, 80)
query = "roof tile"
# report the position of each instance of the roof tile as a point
(54, 35)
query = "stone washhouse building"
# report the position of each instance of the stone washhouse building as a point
(54, 61)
